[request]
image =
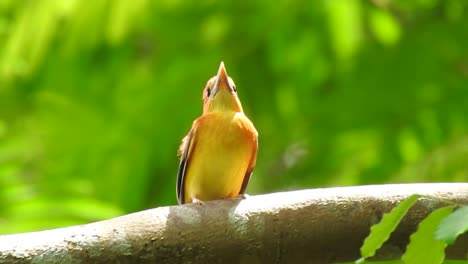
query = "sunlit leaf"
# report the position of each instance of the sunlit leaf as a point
(345, 20)
(384, 26)
(423, 248)
(453, 226)
(381, 232)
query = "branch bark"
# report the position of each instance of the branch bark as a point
(312, 226)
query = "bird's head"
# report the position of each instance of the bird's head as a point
(220, 94)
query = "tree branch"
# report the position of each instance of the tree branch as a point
(316, 226)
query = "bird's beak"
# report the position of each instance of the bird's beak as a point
(222, 81)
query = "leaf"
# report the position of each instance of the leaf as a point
(375, 262)
(345, 22)
(384, 26)
(423, 248)
(453, 226)
(381, 232)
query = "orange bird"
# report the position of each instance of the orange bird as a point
(218, 155)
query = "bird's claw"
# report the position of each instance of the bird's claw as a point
(242, 196)
(197, 201)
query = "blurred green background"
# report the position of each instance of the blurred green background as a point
(95, 97)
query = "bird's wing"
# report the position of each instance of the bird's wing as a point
(250, 168)
(184, 151)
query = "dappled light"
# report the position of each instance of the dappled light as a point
(95, 97)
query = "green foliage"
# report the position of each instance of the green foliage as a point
(453, 226)
(401, 262)
(426, 245)
(423, 247)
(380, 232)
(95, 97)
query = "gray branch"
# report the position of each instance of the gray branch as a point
(309, 226)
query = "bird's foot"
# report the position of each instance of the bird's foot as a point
(195, 200)
(242, 196)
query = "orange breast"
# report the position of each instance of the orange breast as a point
(225, 145)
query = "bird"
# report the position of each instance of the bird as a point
(219, 154)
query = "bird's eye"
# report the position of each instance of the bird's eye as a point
(234, 88)
(208, 92)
